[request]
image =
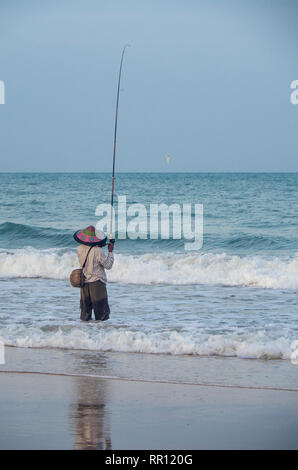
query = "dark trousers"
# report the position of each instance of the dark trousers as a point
(94, 296)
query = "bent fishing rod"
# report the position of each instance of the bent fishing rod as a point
(111, 239)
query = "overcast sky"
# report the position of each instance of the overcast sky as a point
(206, 81)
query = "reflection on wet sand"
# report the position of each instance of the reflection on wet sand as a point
(91, 417)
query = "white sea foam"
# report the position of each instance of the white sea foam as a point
(153, 268)
(258, 345)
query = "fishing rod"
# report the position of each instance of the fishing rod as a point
(111, 239)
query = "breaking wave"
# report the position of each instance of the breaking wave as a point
(153, 268)
(257, 345)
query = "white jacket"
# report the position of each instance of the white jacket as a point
(97, 262)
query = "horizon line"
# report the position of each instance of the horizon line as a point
(149, 172)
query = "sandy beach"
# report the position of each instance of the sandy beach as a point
(62, 412)
(59, 399)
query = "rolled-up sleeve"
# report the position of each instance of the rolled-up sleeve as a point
(106, 261)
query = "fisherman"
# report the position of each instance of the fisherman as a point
(94, 292)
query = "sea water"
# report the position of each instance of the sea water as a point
(235, 297)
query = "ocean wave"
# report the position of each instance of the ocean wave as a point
(46, 237)
(257, 242)
(42, 237)
(236, 243)
(256, 345)
(157, 268)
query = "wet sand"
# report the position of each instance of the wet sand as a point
(61, 412)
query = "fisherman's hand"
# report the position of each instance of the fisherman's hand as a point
(110, 247)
